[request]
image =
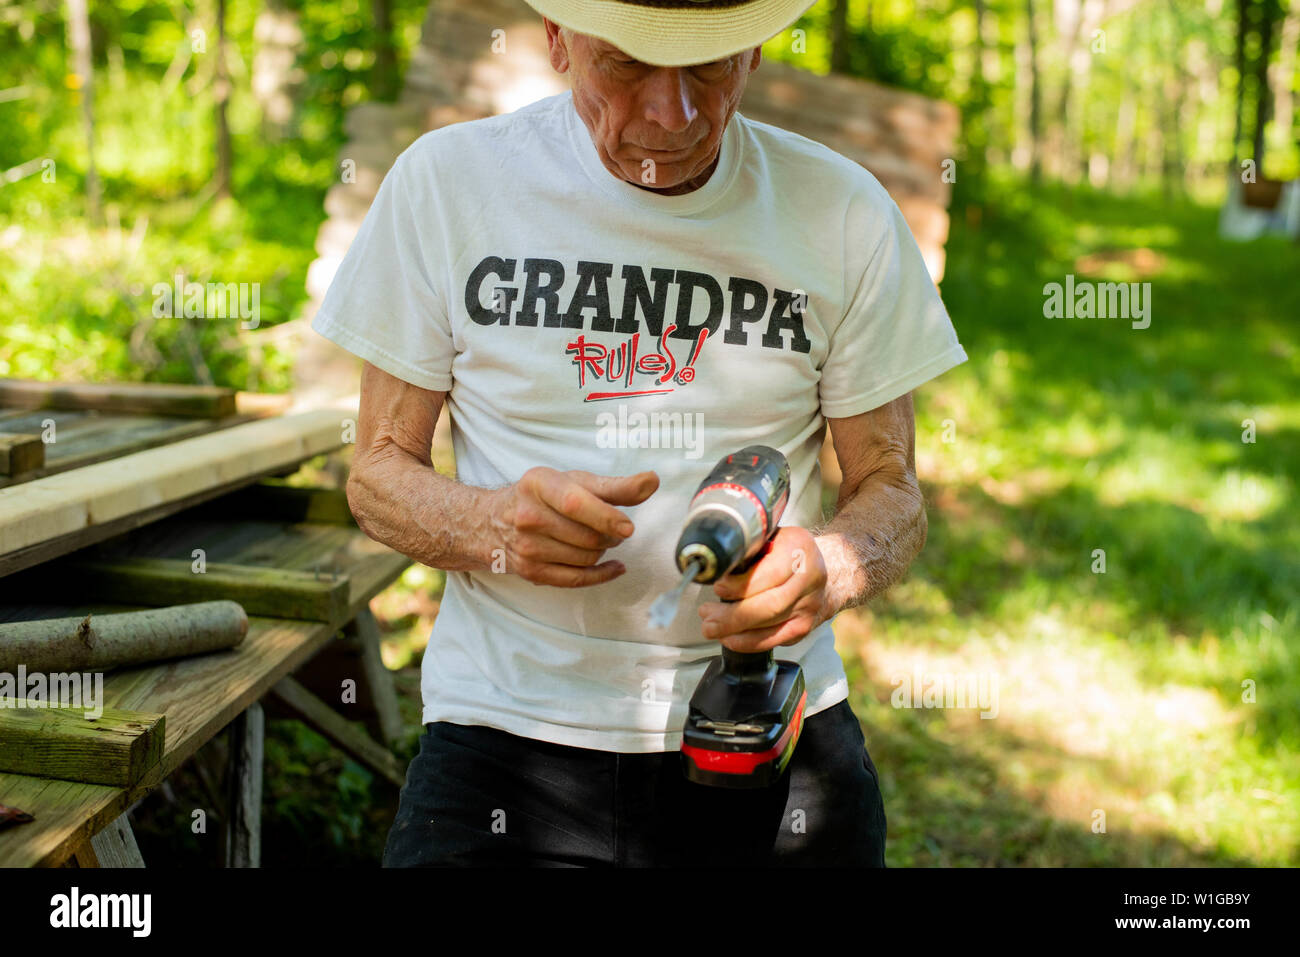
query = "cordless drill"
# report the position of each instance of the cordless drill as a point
(747, 711)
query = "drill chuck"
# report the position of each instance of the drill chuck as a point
(734, 512)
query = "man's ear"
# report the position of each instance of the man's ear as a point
(558, 47)
(758, 55)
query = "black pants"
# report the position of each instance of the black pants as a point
(478, 796)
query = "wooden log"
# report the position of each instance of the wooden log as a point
(273, 592)
(116, 748)
(244, 789)
(20, 452)
(195, 401)
(115, 845)
(61, 513)
(101, 642)
(320, 716)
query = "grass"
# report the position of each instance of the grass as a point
(1159, 698)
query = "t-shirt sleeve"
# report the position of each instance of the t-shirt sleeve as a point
(895, 333)
(384, 303)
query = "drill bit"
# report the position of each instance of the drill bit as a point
(664, 609)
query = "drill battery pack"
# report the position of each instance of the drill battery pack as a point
(744, 721)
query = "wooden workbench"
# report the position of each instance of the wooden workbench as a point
(119, 496)
(201, 695)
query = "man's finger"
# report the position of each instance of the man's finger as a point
(547, 551)
(564, 529)
(765, 639)
(571, 576)
(765, 609)
(571, 499)
(619, 489)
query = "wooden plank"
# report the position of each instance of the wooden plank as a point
(106, 437)
(61, 513)
(286, 503)
(373, 574)
(20, 452)
(200, 401)
(225, 538)
(336, 728)
(115, 845)
(116, 748)
(244, 777)
(200, 696)
(262, 404)
(379, 680)
(271, 592)
(83, 856)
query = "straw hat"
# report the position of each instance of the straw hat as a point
(675, 32)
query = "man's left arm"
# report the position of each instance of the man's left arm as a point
(808, 576)
(879, 524)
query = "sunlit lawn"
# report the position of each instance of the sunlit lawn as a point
(1119, 693)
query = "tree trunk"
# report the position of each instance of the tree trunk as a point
(1125, 164)
(83, 67)
(1284, 78)
(840, 36)
(221, 95)
(991, 74)
(1267, 13)
(384, 81)
(1243, 16)
(1035, 98)
(276, 75)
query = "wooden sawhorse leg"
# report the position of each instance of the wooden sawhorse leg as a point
(114, 846)
(247, 736)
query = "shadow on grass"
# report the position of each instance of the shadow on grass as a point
(949, 806)
(1167, 572)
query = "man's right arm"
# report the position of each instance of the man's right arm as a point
(550, 527)
(395, 493)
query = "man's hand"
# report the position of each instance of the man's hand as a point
(555, 526)
(782, 597)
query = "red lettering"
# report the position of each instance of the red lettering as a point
(586, 352)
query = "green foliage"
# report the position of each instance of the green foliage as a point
(1075, 435)
(81, 296)
(319, 808)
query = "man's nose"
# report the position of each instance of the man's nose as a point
(668, 99)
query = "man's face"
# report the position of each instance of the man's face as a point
(672, 116)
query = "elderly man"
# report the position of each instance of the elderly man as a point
(632, 251)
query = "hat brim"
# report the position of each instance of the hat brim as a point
(679, 35)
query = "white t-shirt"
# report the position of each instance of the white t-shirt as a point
(503, 264)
